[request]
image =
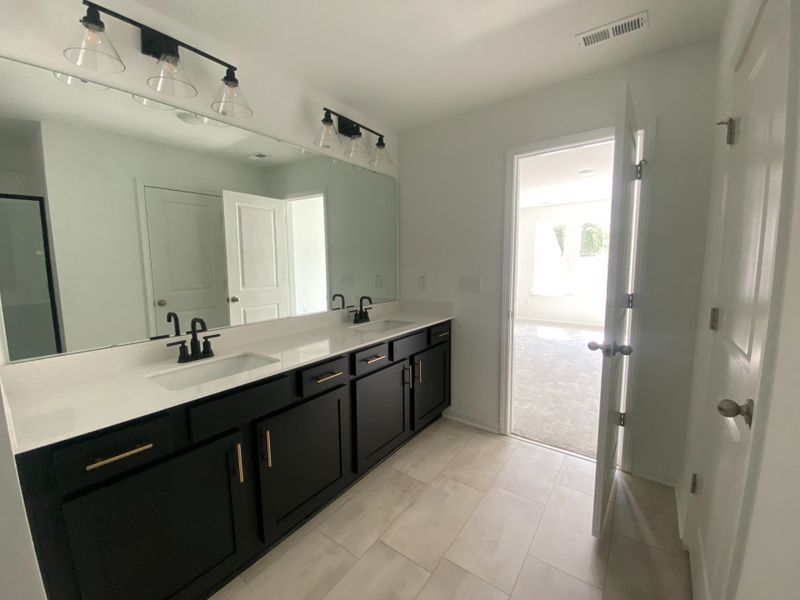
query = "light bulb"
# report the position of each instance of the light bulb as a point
(91, 49)
(171, 78)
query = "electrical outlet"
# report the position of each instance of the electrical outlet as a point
(470, 284)
(378, 281)
(423, 283)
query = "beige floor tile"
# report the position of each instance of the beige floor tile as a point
(287, 544)
(637, 571)
(645, 511)
(578, 474)
(430, 456)
(564, 537)
(531, 472)
(380, 573)
(481, 460)
(454, 427)
(494, 541)
(451, 582)
(371, 509)
(230, 590)
(426, 529)
(307, 571)
(540, 581)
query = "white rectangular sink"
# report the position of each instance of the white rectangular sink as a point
(380, 326)
(207, 370)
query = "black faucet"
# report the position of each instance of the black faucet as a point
(341, 297)
(361, 315)
(173, 318)
(196, 353)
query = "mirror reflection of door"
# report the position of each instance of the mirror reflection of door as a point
(187, 257)
(26, 285)
(257, 255)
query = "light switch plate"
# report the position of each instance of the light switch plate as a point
(470, 284)
(378, 281)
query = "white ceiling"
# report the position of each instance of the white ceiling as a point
(414, 61)
(581, 174)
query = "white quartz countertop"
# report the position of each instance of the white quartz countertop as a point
(58, 406)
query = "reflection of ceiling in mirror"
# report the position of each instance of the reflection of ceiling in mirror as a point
(33, 93)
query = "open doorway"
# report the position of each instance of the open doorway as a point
(563, 214)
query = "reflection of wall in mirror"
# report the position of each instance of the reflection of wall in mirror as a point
(362, 223)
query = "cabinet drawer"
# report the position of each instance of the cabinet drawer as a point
(439, 333)
(405, 347)
(230, 411)
(90, 461)
(371, 359)
(323, 377)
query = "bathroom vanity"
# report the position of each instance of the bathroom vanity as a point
(174, 503)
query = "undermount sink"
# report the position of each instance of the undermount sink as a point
(379, 326)
(209, 370)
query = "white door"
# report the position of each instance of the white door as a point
(617, 343)
(257, 251)
(187, 245)
(745, 287)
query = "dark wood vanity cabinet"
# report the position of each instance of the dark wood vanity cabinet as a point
(174, 504)
(169, 531)
(303, 457)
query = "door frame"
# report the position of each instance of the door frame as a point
(48, 265)
(513, 155)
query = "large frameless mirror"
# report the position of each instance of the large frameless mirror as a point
(116, 210)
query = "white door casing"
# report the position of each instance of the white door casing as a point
(625, 187)
(716, 523)
(257, 256)
(185, 239)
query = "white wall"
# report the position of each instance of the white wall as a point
(452, 186)
(361, 226)
(37, 31)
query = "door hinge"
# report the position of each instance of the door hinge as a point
(629, 301)
(693, 484)
(640, 169)
(621, 419)
(713, 320)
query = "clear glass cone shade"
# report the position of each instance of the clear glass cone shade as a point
(171, 79)
(230, 102)
(91, 49)
(357, 148)
(150, 103)
(328, 138)
(77, 82)
(381, 158)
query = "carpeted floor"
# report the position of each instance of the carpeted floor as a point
(556, 392)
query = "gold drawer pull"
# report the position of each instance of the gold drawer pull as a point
(107, 461)
(269, 450)
(239, 462)
(443, 334)
(328, 377)
(374, 359)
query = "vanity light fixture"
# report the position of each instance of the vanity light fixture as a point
(91, 49)
(356, 147)
(94, 51)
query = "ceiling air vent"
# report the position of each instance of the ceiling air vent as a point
(613, 30)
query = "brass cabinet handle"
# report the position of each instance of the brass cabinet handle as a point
(239, 462)
(328, 377)
(443, 334)
(419, 377)
(374, 359)
(269, 450)
(102, 462)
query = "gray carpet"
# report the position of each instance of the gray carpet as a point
(556, 391)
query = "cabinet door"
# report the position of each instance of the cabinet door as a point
(382, 414)
(431, 391)
(170, 531)
(304, 460)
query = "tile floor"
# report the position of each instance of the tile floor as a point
(461, 514)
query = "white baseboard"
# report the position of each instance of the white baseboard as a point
(461, 417)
